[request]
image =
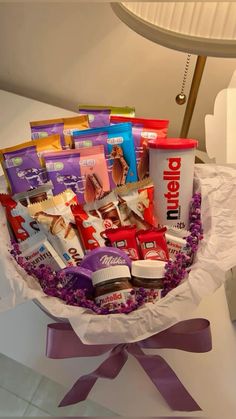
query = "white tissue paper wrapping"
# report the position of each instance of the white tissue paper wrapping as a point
(216, 255)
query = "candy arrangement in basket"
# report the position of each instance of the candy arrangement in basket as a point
(100, 208)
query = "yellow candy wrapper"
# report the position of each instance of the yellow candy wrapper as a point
(62, 126)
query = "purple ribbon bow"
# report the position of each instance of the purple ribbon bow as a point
(190, 335)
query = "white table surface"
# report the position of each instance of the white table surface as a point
(211, 377)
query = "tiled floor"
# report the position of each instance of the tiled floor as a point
(25, 393)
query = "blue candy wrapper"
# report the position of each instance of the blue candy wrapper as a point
(119, 150)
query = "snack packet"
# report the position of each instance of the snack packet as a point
(119, 151)
(92, 219)
(62, 126)
(94, 173)
(23, 164)
(136, 204)
(22, 225)
(153, 244)
(108, 210)
(143, 130)
(113, 110)
(124, 238)
(89, 226)
(175, 244)
(34, 195)
(63, 170)
(38, 251)
(84, 171)
(56, 221)
(97, 117)
(86, 139)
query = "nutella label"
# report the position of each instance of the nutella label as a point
(172, 178)
(114, 299)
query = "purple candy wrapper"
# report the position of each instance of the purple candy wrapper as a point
(24, 170)
(97, 118)
(60, 167)
(75, 277)
(103, 257)
(42, 131)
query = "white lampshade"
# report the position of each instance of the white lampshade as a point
(202, 28)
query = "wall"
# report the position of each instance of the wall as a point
(67, 53)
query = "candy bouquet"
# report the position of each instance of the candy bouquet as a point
(102, 217)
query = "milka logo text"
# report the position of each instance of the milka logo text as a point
(172, 176)
(112, 260)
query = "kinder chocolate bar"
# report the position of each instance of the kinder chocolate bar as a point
(153, 244)
(62, 126)
(38, 251)
(23, 164)
(119, 152)
(22, 225)
(109, 211)
(91, 219)
(124, 239)
(89, 226)
(55, 219)
(143, 130)
(175, 245)
(136, 204)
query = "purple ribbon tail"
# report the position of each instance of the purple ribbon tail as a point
(109, 368)
(165, 380)
(192, 335)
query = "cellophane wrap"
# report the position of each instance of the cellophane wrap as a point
(215, 256)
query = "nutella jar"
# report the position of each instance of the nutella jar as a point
(112, 286)
(149, 274)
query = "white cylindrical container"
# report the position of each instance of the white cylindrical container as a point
(171, 169)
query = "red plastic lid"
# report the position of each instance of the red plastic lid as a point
(173, 143)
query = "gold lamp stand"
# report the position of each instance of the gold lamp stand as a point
(197, 76)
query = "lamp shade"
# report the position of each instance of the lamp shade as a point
(201, 28)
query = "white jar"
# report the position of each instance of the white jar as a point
(171, 169)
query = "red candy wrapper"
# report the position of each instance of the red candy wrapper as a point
(22, 225)
(143, 130)
(153, 244)
(124, 238)
(89, 226)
